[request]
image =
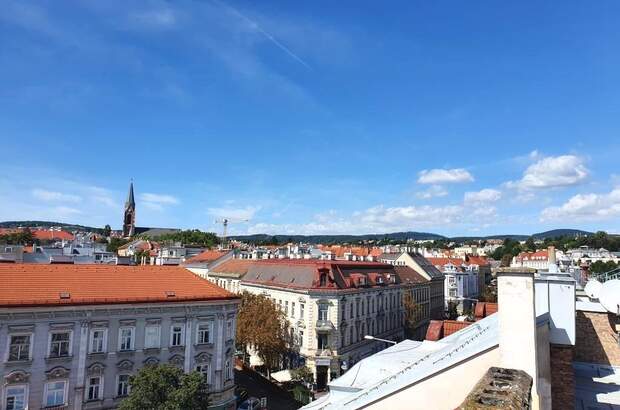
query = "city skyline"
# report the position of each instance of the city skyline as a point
(312, 119)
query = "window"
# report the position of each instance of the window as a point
(55, 393)
(204, 370)
(60, 344)
(15, 398)
(229, 329)
(176, 335)
(323, 311)
(301, 310)
(344, 309)
(122, 386)
(321, 341)
(94, 388)
(228, 370)
(19, 347)
(98, 340)
(323, 280)
(204, 333)
(286, 308)
(292, 309)
(125, 336)
(301, 338)
(152, 337)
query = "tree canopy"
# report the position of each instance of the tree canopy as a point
(165, 387)
(262, 326)
(189, 237)
(23, 237)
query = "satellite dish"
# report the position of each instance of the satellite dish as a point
(593, 288)
(610, 296)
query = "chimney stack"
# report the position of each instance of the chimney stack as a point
(517, 323)
(551, 255)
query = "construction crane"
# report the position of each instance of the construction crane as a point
(225, 222)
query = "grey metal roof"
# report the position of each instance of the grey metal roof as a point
(428, 267)
(405, 364)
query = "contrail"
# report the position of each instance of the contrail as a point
(269, 37)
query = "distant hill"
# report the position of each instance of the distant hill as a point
(403, 236)
(48, 224)
(395, 236)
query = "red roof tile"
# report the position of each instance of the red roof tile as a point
(207, 256)
(453, 326)
(42, 285)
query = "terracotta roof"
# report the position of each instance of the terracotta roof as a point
(238, 266)
(438, 329)
(47, 235)
(41, 234)
(44, 285)
(453, 326)
(409, 275)
(539, 255)
(207, 256)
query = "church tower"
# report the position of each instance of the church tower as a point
(129, 221)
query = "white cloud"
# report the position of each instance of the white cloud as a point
(432, 192)
(53, 196)
(483, 196)
(552, 172)
(160, 199)
(444, 176)
(583, 207)
(234, 213)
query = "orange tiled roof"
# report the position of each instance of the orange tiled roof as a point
(42, 285)
(47, 235)
(453, 326)
(207, 256)
(539, 255)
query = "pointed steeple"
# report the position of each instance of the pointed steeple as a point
(130, 201)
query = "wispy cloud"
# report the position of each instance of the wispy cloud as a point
(432, 192)
(162, 199)
(54, 196)
(245, 213)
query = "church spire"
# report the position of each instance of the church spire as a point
(130, 201)
(129, 219)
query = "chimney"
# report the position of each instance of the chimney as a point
(551, 255)
(517, 323)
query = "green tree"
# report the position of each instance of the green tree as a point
(116, 243)
(530, 246)
(302, 374)
(165, 387)
(412, 314)
(262, 327)
(506, 259)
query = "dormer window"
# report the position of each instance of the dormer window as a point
(323, 280)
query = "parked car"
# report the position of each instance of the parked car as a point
(250, 404)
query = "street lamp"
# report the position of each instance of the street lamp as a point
(369, 337)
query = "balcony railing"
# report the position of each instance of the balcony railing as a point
(324, 325)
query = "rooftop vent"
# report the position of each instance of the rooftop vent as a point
(170, 293)
(65, 295)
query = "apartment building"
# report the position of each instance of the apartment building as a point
(72, 335)
(427, 270)
(331, 306)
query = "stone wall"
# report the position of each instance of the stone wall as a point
(597, 340)
(562, 377)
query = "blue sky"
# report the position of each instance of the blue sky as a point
(454, 117)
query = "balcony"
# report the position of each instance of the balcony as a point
(324, 325)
